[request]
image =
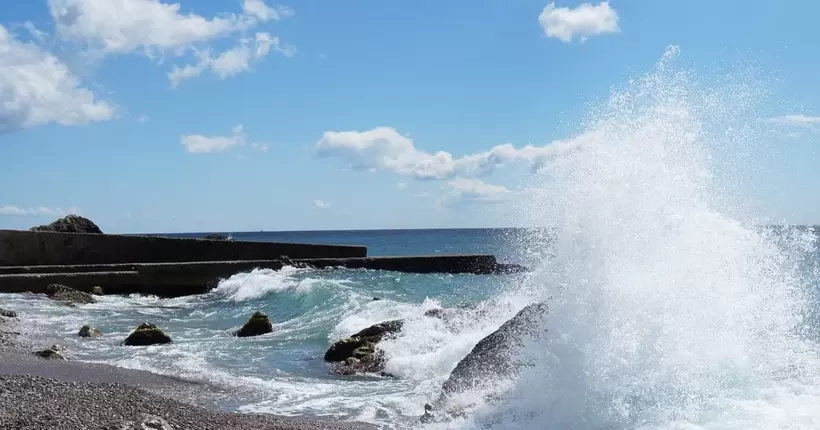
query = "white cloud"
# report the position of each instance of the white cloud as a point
(474, 191)
(38, 211)
(799, 119)
(583, 21)
(259, 146)
(197, 143)
(238, 59)
(320, 204)
(261, 11)
(122, 26)
(383, 148)
(36, 88)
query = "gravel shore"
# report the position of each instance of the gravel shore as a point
(37, 393)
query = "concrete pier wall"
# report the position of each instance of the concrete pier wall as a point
(28, 248)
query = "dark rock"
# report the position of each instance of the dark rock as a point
(97, 291)
(492, 358)
(54, 352)
(88, 331)
(376, 299)
(259, 323)
(69, 295)
(358, 353)
(147, 334)
(70, 224)
(217, 236)
(7, 313)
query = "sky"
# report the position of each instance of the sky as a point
(245, 115)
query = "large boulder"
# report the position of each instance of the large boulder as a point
(7, 313)
(147, 334)
(493, 358)
(68, 295)
(259, 323)
(88, 331)
(358, 353)
(70, 224)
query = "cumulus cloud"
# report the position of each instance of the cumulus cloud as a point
(586, 20)
(151, 26)
(37, 88)
(799, 119)
(474, 191)
(240, 58)
(320, 204)
(197, 143)
(38, 211)
(157, 29)
(383, 148)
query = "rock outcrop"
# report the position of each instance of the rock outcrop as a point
(491, 359)
(257, 324)
(88, 331)
(147, 334)
(7, 313)
(70, 224)
(358, 353)
(68, 295)
(54, 352)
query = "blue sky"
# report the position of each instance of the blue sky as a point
(232, 115)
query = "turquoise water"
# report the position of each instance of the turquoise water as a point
(284, 372)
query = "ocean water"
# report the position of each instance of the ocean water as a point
(670, 307)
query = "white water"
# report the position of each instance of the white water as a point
(666, 311)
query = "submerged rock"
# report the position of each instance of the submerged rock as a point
(258, 324)
(69, 295)
(491, 359)
(97, 291)
(70, 224)
(88, 331)
(147, 334)
(7, 313)
(54, 352)
(358, 353)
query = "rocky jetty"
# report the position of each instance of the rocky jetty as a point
(68, 295)
(358, 353)
(70, 224)
(216, 236)
(257, 324)
(492, 358)
(88, 331)
(147, 334)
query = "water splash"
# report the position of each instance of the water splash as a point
(668, 311)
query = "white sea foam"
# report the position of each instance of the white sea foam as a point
(667, 310)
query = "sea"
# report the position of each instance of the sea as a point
(673, 304)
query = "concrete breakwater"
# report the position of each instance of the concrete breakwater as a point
(171, 267)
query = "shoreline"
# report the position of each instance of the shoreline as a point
(51, 393)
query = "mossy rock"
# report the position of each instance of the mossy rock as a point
(69, 295)
(147, 334)
(88, 331)
(257, 324)
(53, 352)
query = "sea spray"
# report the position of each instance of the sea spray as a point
(666, 311)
